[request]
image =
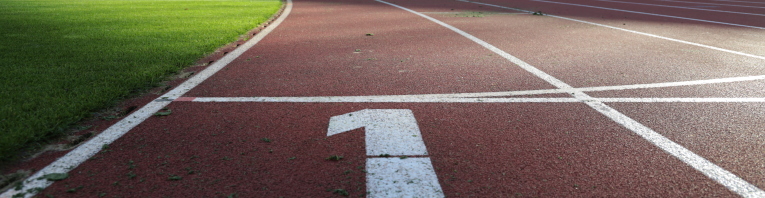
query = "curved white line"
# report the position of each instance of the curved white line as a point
(694, 100)
(82, 153)
(729, 5)
(652, 14)
(680, 7)
(409, 99)
(371, 99)
(632, 31)
(740, 1)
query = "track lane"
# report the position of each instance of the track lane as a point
(405, 55)
(715, 4)
(737, 39)
(576, 49)
(729, 134)
(700, 8)
(741, 2)
(708, 14)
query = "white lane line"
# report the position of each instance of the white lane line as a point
(389, 99)
(509, 8)
(680, 7)
(652, 14)
(544, 76)
(492, 13)
(415, 99)
(602, 88)
(82, 153)
(443, 12)
(712, 4)
(428, 97)
(694, 100)
(631, 31)
(740, 1)
(711, 170)
(669, 84)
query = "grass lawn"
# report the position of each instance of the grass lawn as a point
(60, 60)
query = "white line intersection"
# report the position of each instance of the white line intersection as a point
(495, 97)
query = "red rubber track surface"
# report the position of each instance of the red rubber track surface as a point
(262, 149)
(314, 53)
(477, 150)
(747, 40)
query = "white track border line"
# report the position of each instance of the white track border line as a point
(584, 89)
(719, 4)
(694, 100)
(626, 30)
(594, 89)
(383, 99)
(711, 170)
(82, 153)
(411, 99)
(740, 1)
(680, 7)
(477, 97)
(652, 14)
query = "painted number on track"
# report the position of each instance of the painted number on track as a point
(392, 132)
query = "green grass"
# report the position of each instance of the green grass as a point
(60, 60)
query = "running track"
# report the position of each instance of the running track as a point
(596, 98)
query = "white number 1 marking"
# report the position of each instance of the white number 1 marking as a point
(392, 132)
